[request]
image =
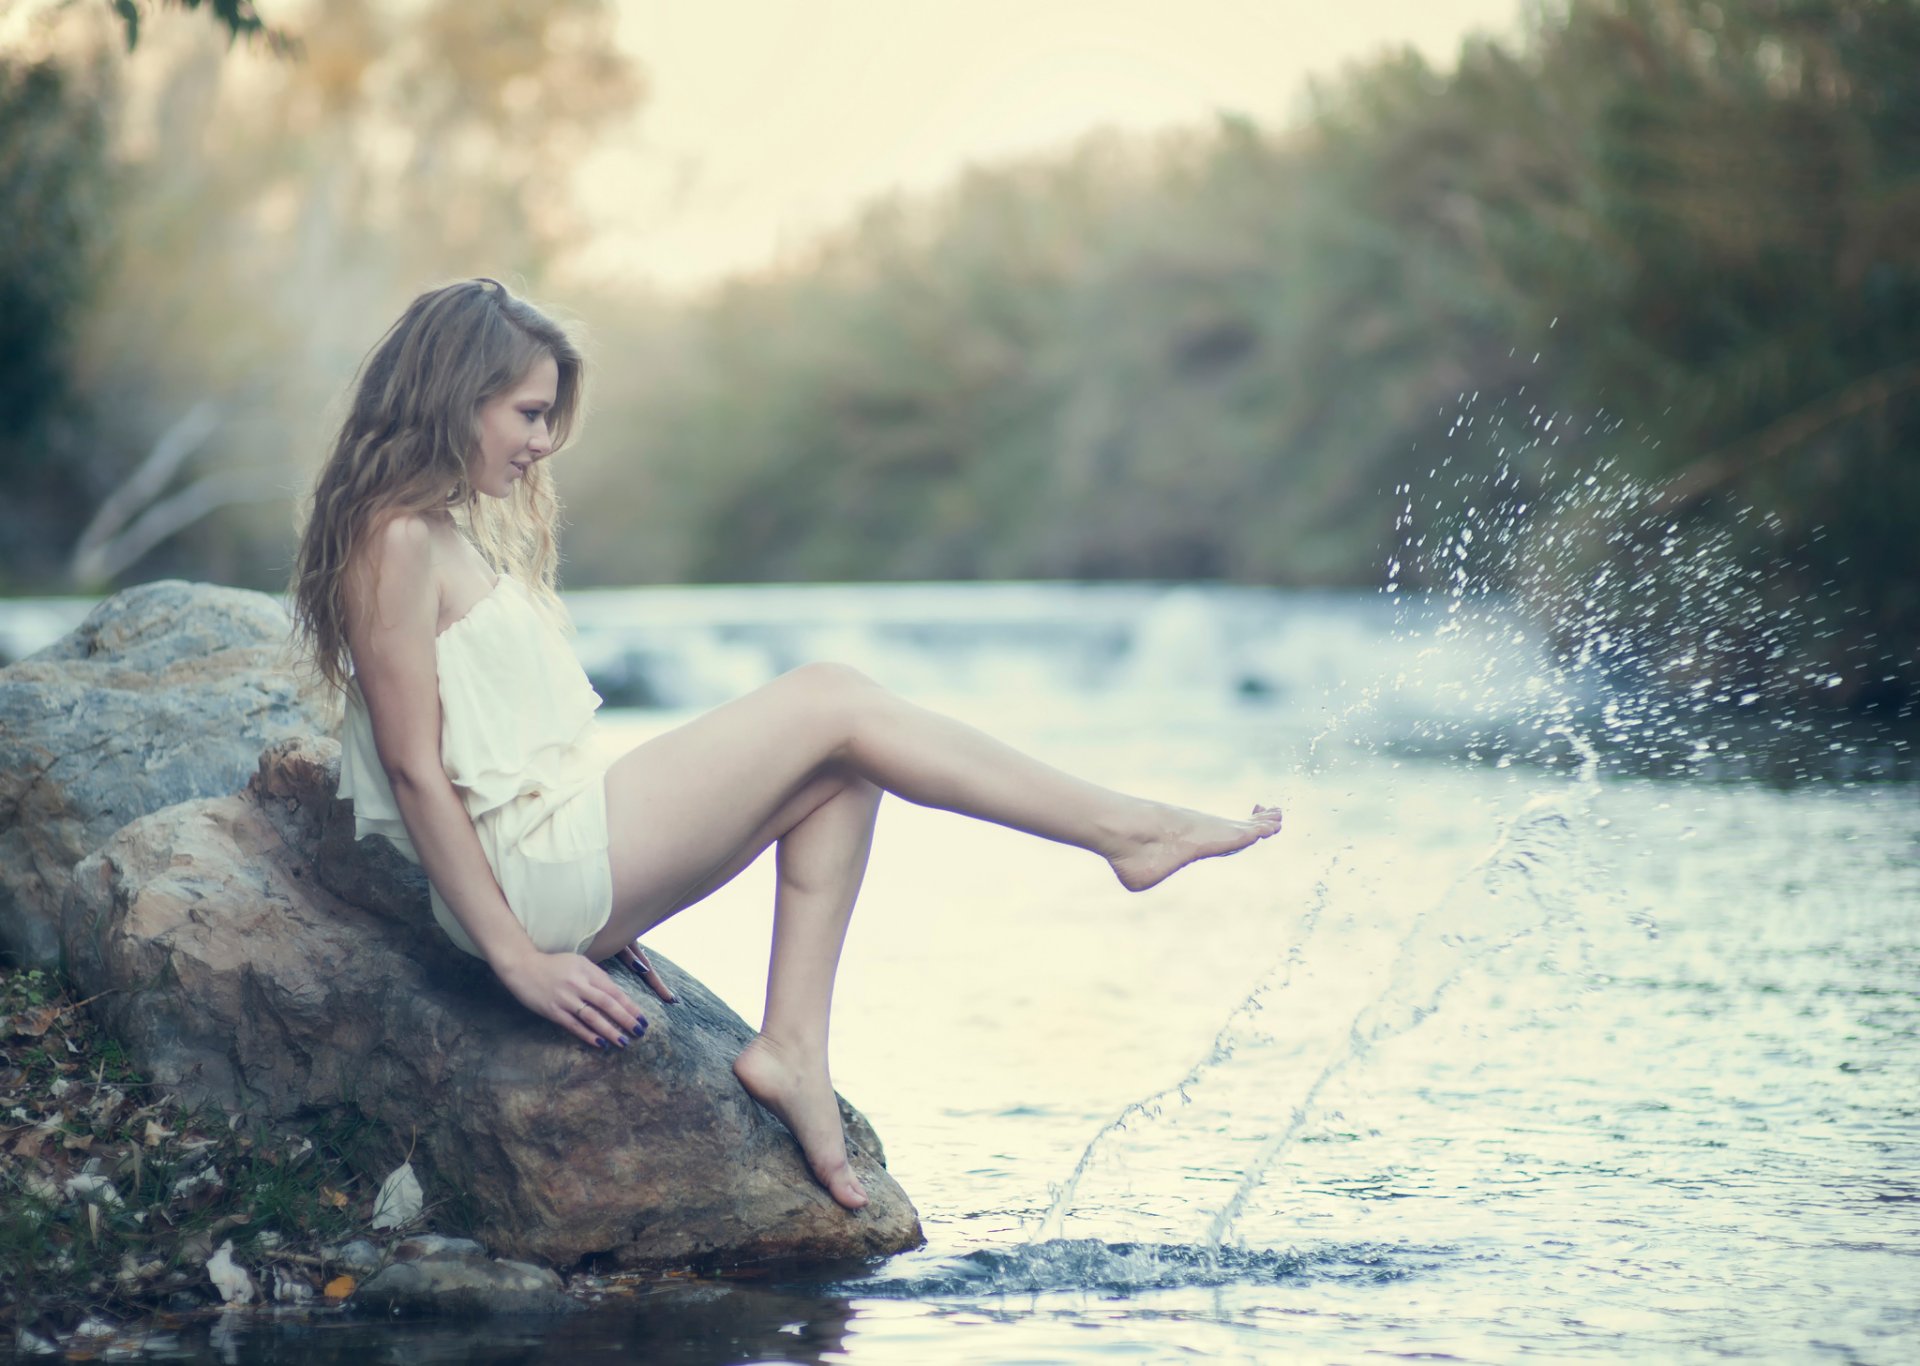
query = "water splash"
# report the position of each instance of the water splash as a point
(1243, 1026)
(1529, 872)
(1681, 644)
(1524, 648)
(1088, 1265)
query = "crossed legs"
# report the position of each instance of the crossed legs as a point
(800, 764)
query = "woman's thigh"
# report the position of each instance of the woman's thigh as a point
(687, 807)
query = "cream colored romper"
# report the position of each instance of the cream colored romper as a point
(518, 738)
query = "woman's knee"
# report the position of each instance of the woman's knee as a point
(835, 695)
(828, 678)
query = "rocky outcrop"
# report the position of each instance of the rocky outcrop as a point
(252, 954)
(165, 692)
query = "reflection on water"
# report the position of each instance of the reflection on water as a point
(672, 1323)
(1505, 1049)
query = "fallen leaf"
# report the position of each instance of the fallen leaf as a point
(34, 1023)
(333, 1197)
(198, 1188)
(400, 1198)
(156, 1133)
(339, 1288)
(92, 1189)
(233, 1283)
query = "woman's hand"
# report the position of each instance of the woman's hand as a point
(575, 994)
(635, 957)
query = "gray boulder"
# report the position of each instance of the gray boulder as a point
(454, 1276)
(164, 692)
(252, 954)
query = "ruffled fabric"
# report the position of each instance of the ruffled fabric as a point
(517, 725)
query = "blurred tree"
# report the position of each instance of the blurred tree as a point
(238, 16)
(267, 207)
(54, 182)
(1213, 355)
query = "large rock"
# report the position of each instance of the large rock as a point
(165, 692)
(255, 956)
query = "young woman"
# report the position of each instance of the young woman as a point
(424, 591)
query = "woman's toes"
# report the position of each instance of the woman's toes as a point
(845, 1188)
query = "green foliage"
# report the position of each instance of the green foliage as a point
(208, 231)
(1212, 356)
(54, 184)
(1209, 355)
(238, 17)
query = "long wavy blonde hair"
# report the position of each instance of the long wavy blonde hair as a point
(405, 446)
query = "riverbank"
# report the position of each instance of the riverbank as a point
(119, 1200)
(130, 1224)
(126, 1213)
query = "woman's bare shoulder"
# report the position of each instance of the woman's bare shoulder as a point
(395, 571)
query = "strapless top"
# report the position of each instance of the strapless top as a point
(516, 719)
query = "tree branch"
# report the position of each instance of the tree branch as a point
(187, 435)
(182, 510)
(1710, 472)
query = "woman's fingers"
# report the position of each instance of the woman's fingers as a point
(636, 959)
(578, 996)
(599, 992)
(652, 977)
(617, 1007)
(589, 1006)
(601, 1027)
(571, 1023)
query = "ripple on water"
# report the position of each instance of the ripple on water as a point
(1092, 1266)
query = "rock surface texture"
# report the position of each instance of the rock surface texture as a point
(254, 955)
(455, 1276)
(165, 692)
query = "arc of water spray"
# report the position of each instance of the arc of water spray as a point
(1277, 979)
(1371, 1024)
(1510, 852)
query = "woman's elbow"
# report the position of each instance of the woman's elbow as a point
(410, 778)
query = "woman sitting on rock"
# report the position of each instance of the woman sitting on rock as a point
(424, 589)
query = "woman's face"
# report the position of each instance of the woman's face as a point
(513, 429)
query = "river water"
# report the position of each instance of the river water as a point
(1514, 1044)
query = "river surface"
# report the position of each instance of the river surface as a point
(1509, 1047)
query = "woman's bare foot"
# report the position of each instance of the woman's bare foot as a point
(799, 1092)
(1172, 837)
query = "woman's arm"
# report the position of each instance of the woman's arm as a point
(393, 609)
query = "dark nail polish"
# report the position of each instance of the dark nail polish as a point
(620, 1039)
(599, 1043)
(639, 1029)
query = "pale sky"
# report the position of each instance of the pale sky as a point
(768, 121)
